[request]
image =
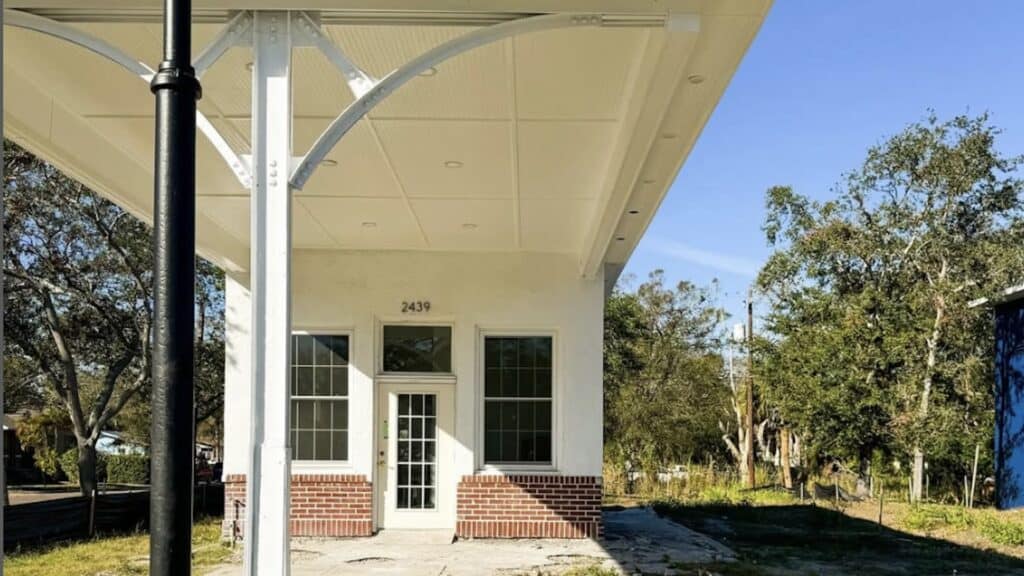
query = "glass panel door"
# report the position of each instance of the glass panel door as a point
(417, 451)
(415, 483)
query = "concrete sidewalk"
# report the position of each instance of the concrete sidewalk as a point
(636, 540)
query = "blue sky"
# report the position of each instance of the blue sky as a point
(822, 82)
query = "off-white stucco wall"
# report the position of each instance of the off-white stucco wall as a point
(357, 292)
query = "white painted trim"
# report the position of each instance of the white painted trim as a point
(358, 80)
(300, 467)
(495, 470)
(480, 465)
(268, 483)
(29, 21)
(413, 377)
(236, 32)
(387, 12)
(645, 115)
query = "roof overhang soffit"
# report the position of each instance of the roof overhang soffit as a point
(645, 117)
(307, 31)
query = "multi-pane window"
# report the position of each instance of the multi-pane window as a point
(319, 386)
(417, 450)
(417, 349)
(517, 400)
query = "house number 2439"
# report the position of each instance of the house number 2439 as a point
(413, 306)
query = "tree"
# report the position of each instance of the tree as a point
(22, 386)
(134, 420)
(209, 369)
(663, 388)
(873, 287)
(739, 448)
(819, 376)
(77, 272)
(41, 432)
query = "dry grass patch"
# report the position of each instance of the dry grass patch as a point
(113, 555)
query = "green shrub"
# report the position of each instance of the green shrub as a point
(988, 523)
(128, 469)
(1005, 532)
(48, 461)
(930, 517)
(69, 465)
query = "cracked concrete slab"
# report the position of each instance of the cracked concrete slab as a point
(636, 541)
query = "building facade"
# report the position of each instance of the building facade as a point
(1009, 388)
(434, 391)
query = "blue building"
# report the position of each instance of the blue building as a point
(1009, 371)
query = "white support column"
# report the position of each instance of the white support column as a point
(268, 481)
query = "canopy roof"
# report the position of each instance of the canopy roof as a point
(558, 141)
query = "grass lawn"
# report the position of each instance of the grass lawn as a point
(113, 556)
(790, 539)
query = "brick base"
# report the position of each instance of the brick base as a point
(529, 507)
(321, 505)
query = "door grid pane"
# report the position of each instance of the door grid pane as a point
(417, 454)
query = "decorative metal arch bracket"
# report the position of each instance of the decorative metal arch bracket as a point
(306, 31)
(234, 32)
(369, 92)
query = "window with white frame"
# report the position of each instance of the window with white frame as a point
(517, 400)
(319, 419)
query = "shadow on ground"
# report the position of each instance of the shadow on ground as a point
(810, 540)
(637, 541)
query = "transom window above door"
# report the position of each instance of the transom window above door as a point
(319, 418)
(414, 349)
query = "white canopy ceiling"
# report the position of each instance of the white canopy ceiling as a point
(560, 141)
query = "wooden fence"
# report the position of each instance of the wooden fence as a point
(80, 517)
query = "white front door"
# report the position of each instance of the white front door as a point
(416, 486)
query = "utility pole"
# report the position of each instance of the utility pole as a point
(176, 89)
(751, 476)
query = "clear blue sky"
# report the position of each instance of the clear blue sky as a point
(822, 82)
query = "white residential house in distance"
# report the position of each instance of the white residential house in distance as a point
(440, 364)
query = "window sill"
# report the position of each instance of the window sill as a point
(513, 470)
(415, 377)
(321, 467)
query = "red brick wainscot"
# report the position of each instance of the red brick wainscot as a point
(529, 506)
(321, 505)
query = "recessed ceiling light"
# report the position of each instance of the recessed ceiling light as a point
(469, 226)
(369, 224)
(620, 238)
(248, 66)
(634, 212)
(429, 72)
(328, 162)
(452, 164)
(669, 135)
(695, 78)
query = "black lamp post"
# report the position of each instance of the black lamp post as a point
(172, 443)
